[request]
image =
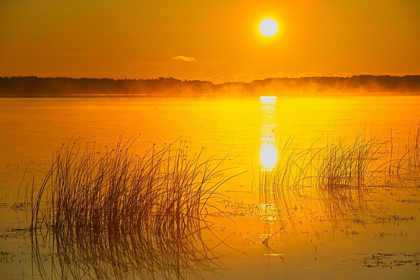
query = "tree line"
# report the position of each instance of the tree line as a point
(32, 86)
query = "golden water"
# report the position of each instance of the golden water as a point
(307, 238)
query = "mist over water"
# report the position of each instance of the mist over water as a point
(363, 85)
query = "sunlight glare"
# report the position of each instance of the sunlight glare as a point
(268, 100)
(268, 27)
(268, 157)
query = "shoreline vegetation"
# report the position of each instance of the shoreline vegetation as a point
(34, 87)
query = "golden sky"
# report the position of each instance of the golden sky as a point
(210, 40)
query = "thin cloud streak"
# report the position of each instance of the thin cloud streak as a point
(183, 58)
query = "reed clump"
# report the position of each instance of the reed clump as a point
(336, 178)
(407, 167)
(339, 178)
(346, 171)
(288, 181)
(117, 207)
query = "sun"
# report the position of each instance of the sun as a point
(268, 27)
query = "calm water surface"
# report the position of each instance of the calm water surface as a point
(311, 235)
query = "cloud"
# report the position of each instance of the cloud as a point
(183, 58)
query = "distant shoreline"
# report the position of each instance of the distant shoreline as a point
(38, 87)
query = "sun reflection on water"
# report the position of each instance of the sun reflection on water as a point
(268, 151)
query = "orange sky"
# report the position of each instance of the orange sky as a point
(210, 40)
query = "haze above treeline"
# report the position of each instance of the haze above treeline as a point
(304, 86)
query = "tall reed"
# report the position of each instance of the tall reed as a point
(336, 178)
(119, 207)
(288, 181)
(407, 167)
(345, 171)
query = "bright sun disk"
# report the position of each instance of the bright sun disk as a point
(268, 27)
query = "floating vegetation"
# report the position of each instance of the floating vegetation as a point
(389, 260)
(7, 257)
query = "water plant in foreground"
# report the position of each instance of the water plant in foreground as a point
(345, 173)
(338, 181)
(334, 180)
(112, 212)
(406, 168)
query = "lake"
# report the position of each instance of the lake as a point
(321, 188)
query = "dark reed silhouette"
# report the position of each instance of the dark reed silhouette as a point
(116, 214)
(338, 177)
